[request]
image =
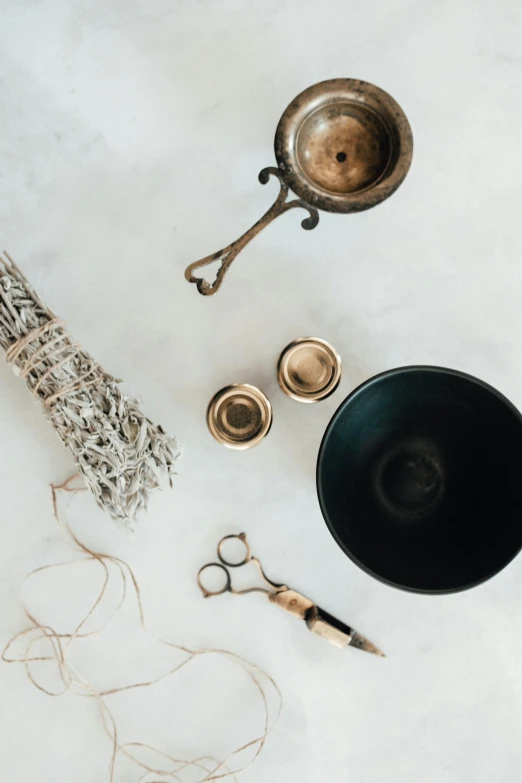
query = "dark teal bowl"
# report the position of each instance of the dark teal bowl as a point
(419, 479)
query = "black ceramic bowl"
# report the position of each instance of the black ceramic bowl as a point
(420, 479)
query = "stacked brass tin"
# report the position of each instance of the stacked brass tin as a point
(240, 415)
(309, 369)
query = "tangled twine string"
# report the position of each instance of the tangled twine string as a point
(60, 645)
(120, 453)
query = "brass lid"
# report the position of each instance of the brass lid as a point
(239, 416)
(309, 369)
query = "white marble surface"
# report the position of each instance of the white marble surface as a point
(131, 136)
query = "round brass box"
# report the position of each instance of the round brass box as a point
(309, 369)
(239, 416)
(344, 145)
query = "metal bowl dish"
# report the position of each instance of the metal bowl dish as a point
(343, 145)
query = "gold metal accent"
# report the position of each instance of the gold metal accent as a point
(227, 587)
(239, 416)
(292, 602)
(309, 369)
(227, 255)
(317, 620)
(247, 557)
(342, 145)
(361, 643)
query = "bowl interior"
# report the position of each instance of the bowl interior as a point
(419, 479)
(344, 147)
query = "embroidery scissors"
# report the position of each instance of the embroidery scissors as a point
(317, 620)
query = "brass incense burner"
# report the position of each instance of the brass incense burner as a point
(342, 145)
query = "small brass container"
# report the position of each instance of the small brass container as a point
(309, 369)
(239, 416)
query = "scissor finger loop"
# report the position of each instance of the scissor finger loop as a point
(247, 556)
(219, 591)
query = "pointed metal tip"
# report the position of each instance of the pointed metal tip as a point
(364, 644)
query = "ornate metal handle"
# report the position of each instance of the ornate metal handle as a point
(227, 255)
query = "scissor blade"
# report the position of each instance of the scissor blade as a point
(362, 643)
(336, 632)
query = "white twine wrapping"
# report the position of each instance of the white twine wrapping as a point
(120, 453)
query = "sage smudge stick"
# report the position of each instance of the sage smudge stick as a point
(119, 452)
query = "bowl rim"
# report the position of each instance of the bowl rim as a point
(361, 388)
(355, 91)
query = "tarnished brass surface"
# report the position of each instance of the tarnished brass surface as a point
(342, 145)
(292, 602)
(298, 605)
(227, 255)
(343, 148)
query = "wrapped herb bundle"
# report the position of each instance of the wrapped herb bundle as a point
(119, 452)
